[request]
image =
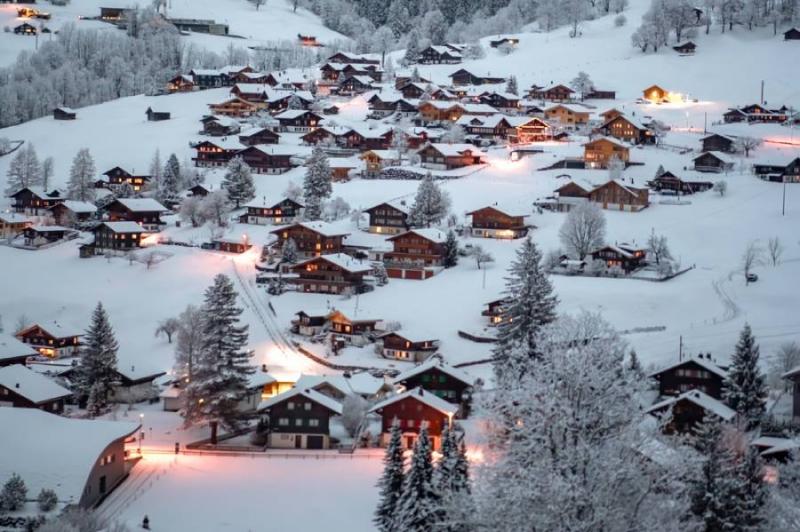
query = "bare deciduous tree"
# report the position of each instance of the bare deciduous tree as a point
(168, 327)
(721, 187)
(746, 145)
(353, 411)
(786, 358)
(583, 231)
(657, 247)
(775, 250)
(751, 258)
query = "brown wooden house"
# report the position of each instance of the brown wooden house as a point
(266, 159)
(670, 183)
(698, 373)
(388, 218)
(232, 244)
(12, 224)
(300, 419)
(495, 312)
(37, 236)
(35, 201)
(655, 94)
(258, 135)
(409, 345)
(13, 351)
(52, 339)
(717, 142)
(463, 77)
(620, 257)
(497, 222)
(215, 153)
(598, 152)
(689, 409)
(570, 116)
(144, 211)
(755, 113)
(376, 160)
(353, 85)
(352, 329)
(792, 34)
(310, 323)
(412, 409)
(156, 116)
(220, 126)
(70, 212)
(118, 177)
(416, 254)
(21, 387)
(116, 237)
(298, 120)
(628, 129)
(334, 273)
(270, 211)
(235, 107)
(713, 162)
(449, 383)
(181, 83)
(441, 156)
(312, 238)
(439, 55)
(617, 196)
(556, 93)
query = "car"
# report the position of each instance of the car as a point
(751, 277)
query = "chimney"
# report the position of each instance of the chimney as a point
(263, 368)
(16, 386)
(133, 369)
(421, 392)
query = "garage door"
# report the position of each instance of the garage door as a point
(314, 442)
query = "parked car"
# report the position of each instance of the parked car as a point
(751, 277)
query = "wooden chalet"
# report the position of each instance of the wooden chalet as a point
(755, 113)
(267, 159)
(495, 312)
(26, 29)
(792, 34)
(197, 191)
(621, 257)
(414, 90)
(361, 138)
(230, 73)
(64, 113)
(312, 238)
(440, 156)
(556, 93)
(687, 48)
(13, 351)
(270, 211)
(599, 152)
(115, 237)
(300, 419)
(412, 409)
(12, 224)
(504, 41)
(689, 409)
(495, 127)
(118, 177)
(376, 160)
(353, 329)
(402, 79)
(35, 201)
(436, 111)
(358, 59)
(416, 254)
(144, 211)
(628, 129)
(134, 384)
(503, 101)
(220, 126)
(409, 345)
(235, 107)
(497, 222)
(341, 168)
(352, 85)
(525, 129)
(329, 136)
(779, 171)
(70, 212)
(215, 153)
(569, 116)
(334, 273)
(156, 116)
(616, 195)
(258, 135)
(439, 55)
(670, 183)
(793, 376)
(713, 161)
(388, 218)
(717, 142)
(443, 380)
(232, 244)
(298, 120)
(52, 339)
(206, 78)
(655, 94)
(381, 107)
(699, 373)
(600, 94)
(37, 236)
(310, 323)
(262, 78)
(181, 83)
(462, 77)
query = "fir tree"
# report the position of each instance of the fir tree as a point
(173, 166)
(529, 305)
(511, 85)
(412, 52)
(238, 182)
(12, 498)
(289, 251)
(450, 250)
(95, 403)
(745, 387)
(81, 176)
(391, 482)
(634, 365)
(47, 173)
(317, 183)
(419, 499)
(97, 370)
(222, 366)
(752, 491)
(379, 272)
(431, 204)
(169, 183)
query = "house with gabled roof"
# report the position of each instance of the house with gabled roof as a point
(693, 373)
(412, 409)
(333, 273)
(450, 383)
(713, 162)
(119, 177)
(144, 211)
(258, 135)
(568, 115)
(115, 238)
(21, 387)
(599, 152)
(311, 238)
(620, 256)
(439, 55)
(355, 328)
(628, 129)
(388, 218)
(298, 120)
(463, 77)
(416, 254)
(35, 201)
(409, 344)
(689, 409)
(376, 160)
(52, 339)
(496, 221)
(271, 211)
(442, 156)
(71, 212)
(12, 224)
(616, 195)
(300, 419)
(718, 142)
(14, 351)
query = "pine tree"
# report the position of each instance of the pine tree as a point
(745, 387)
(412, 52)
(317, 183)
(391, 482)
(379, 272)
(634, 365)
(168, 184)
(511, 85)
(238, 182)
(95, 404)
(289, 251)
(529, 305)
(419, 499)
(450, 250)
(173, 166)
(97, 370)
(431, 204)
(752, 491)
(47, 173)
(81, 176)
(14, 493)
(222, 366)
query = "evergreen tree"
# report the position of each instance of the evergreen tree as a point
(222, 366)
(634, 365)
(419, 499)
(379, 272)
(398, 19)
(431, 204)
(450, 250)
(511, 85)
(412, 52)
(173, 166)
(155, 167)
(317, 183)
(81, 176)
(238, 182)
(95, 404)
(529, 305)
(47, 173)
(752, 491)
(391, 482)
(24, 170)
(289, 251)
(14, 493)
(97, 370)
(745, 386)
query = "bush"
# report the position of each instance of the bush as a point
(620, 20)
(47, 500)
(12, 498)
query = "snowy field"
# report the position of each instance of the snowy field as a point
(706, 307)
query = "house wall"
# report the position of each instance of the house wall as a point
(108, 471)
(8, 397)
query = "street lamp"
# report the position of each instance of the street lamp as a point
(141, 432)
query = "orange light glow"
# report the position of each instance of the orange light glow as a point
(475, 455)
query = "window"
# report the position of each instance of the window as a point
(298, 422)
(290, 405)
(307, 406)
(313, 422)
(410, 423)
(283, 422)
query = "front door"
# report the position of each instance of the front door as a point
(298, 441)
(103, 484)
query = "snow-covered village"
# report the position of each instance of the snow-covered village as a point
(400, 265)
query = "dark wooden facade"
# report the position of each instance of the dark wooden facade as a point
(300, 421)
(263, 162)
(716, 142)
(691, 374)
(441, 383)
(623, 128)
(50, 343)
(397, 346)
(411, 414)
(283, 211)
(64, 113)
(118, 211)
(115, 237)
(710, 162)
(614, 195)
(35, 201)
(210, 154)
(492, 222)
(261, 136)
(156, 116)
(386, 218)
(118, 177)
(598, 153)
(414, 253)
(311, 240)
(624, 258)
(330, 274)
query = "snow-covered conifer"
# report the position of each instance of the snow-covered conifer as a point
(317, 183)
(450, 250)
(431, 204)
(81, 177)
(14, 493)
(391, 482)
(98, 360)
(745, 387)
(238, 182)
(419, 499)
(289, 251)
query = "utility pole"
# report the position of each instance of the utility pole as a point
(762, 92)
(680, 348)
(705, 123)
(783, 207)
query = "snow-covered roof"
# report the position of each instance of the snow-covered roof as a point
(419, 394)
(142, 205)
(701, 399)
(308, 393)
(65, 109)
(434, 235)
(204, 72)
(124, 227)
(386, 155)
(259, 379)
(364, 80)
(79, 207)
(28, 451)
(267, 202)
(415, 334)
(612, 140)
(724, 157)
(291, 114)
(434, 362)
(508, 210)
(454, 150)
(33, 386)
(343, 162)
(323, 228)
(791, 373)
(478, 108)
(138, 372)
(702, 362)
(481, 120)
(400, 205)
(225, 121)
(49, 228)
(343, 261)
(13, 218)
(55, 329)
(441, 50)
(574, 107)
